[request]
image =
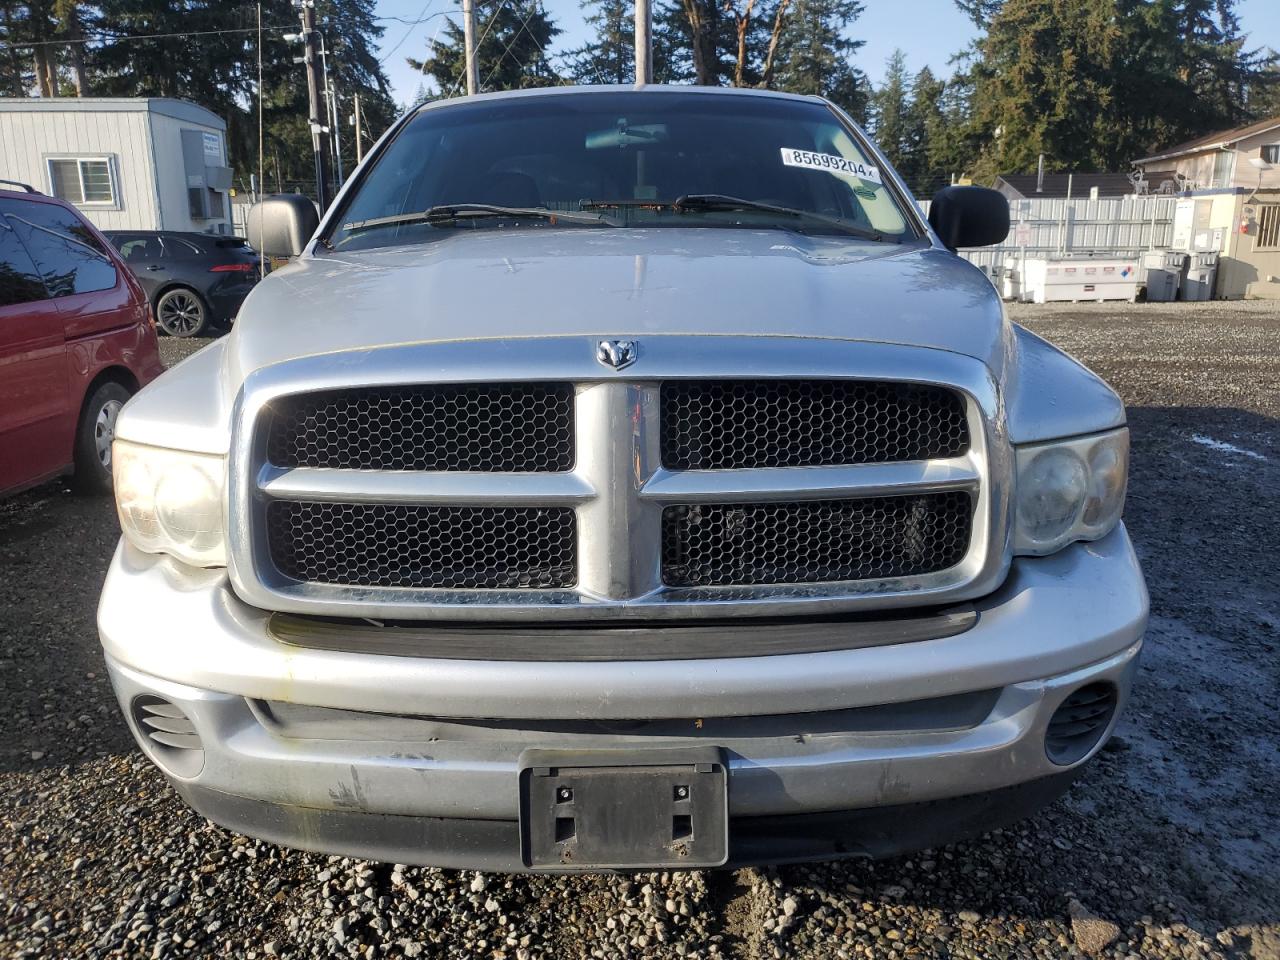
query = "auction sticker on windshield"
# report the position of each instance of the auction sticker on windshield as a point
(792, 157)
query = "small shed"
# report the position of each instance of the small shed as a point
(129, 163)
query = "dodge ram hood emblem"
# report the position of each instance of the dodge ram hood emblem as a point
(617, 353)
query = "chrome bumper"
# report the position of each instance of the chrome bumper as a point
(1056, 624)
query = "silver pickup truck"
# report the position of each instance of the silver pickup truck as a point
(623, 479)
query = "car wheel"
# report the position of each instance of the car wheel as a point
(93, 438)
(181, 313)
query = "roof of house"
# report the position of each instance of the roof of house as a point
(1215, 141)
(165, 106)
(1055, 184)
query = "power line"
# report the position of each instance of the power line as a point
(123, 38)
(533, 8)
(422, 18)
(483, 33)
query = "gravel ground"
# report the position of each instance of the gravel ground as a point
(1167, 848)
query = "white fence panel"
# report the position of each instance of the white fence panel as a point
(1111, 226)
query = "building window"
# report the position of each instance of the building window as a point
(82, 180)
(1271, 153)
(1269, 226)
(1223, 167)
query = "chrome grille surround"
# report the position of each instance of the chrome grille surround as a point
(618, 487)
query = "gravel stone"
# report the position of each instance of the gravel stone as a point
(1168, 837)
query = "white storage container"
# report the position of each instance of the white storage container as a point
(1059, 279)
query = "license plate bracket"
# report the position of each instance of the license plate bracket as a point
(624, 809)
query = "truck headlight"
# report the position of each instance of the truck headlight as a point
(1069, 490)
(170, 502)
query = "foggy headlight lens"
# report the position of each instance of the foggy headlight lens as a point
(1070, 490)
(171, 502)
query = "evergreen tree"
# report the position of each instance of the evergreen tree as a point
(890, 113)
(1093, 84)
(1263, 95)
(814, 54)
(609, 57)
(511, 55)
(923, 122)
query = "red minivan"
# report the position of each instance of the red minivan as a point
(76, 341)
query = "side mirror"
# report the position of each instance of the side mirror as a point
(280, 226)
(969, 216)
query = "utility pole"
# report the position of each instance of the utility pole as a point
(319, 128)
(331, 113)
(355, 99)
(469, 41)
(644, 43)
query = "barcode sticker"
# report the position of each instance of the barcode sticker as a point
(809, 160)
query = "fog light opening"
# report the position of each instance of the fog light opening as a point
(1077, 726)
(169, 738)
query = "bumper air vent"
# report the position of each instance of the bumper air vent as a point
(168, 736)
(1076, 727)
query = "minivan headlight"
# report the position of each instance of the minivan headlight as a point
(170, 501)
(1069, 490)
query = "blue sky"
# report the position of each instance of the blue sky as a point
(930, 31)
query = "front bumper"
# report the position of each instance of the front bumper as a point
(387, 789)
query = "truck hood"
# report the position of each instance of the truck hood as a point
(522, 282)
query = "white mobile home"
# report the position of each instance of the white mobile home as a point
(137, 163)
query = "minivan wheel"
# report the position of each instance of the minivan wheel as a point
(93, 438)
(181, 313)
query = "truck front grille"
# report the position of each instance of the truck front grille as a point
(460, 548)
(521, 428)
(736, 424)
(538, 485)
(742, 544)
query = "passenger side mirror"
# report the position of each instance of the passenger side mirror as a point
(969, 216)
(280, 226)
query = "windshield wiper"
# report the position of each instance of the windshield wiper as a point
(717, 201)
(445, 213)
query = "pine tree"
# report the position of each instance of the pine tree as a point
(609, 57)
(889, 113)
(924, 120)
(814, 54)
(511, 54)
(1263, 95)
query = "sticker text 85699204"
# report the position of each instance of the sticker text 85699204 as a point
(792, 157)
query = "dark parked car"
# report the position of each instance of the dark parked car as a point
(76, 342)
(194, 280)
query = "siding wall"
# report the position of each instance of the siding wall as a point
(26, 139)
(171, 177)
(1199, 168)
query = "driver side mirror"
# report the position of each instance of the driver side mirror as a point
(280, 226)
(969, 216)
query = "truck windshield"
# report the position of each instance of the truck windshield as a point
(625, 159)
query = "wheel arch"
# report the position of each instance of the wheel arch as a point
(115, 373)
(172, 285)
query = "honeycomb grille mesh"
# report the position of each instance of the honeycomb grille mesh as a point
(465, 427)
(728, 424)
(386, 545)
(814, 542)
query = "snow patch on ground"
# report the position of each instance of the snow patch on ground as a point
(1223, 447)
